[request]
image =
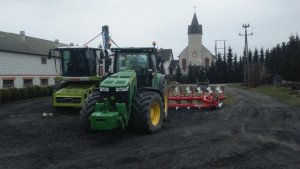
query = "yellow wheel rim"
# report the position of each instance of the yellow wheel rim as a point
(155, 114)
(166, 102)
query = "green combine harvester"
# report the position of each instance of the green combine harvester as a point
(135, 95)
(81, 70)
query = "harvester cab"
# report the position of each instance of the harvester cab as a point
(134, 96)
(81, 69)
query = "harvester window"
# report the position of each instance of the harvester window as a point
(91, 61)
(79, 62)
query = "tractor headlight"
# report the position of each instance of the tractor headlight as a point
(103, 89)
(122, 89)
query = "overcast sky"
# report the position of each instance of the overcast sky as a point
(139, 22)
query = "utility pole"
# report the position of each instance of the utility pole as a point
(224, 48)
(246, 58)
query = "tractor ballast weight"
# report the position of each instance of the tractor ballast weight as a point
(134, 96)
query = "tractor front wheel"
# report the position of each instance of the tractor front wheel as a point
(88, 107)
(147, 112)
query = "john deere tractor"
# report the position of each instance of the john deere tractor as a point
(81, 70)
(134, 96)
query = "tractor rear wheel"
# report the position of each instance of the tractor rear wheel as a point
(147, 112)
(88, 107)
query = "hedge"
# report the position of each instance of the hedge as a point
(14, 94)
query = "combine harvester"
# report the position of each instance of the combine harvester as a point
(198, 96)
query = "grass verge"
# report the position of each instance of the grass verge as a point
(229, 100)
(283, 94)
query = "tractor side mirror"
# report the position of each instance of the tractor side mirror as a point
(50, 54)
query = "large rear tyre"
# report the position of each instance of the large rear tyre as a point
(88, 107)
(147, 113)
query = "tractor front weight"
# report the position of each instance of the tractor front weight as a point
(106, 117)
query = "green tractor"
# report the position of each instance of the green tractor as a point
(134, 96)
(81, 70)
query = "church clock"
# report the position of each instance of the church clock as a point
(194, 54)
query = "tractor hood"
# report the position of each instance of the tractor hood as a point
(120, 79)
(72, 90)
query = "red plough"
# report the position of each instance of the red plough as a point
(196, 97)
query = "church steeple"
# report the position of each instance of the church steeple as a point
(195, 28)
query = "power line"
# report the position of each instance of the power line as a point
(224, 48)
(281, 20)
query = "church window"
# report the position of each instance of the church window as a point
(206, 62)
(183, 64)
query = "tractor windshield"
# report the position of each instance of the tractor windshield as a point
(132, 61)
(78, 62)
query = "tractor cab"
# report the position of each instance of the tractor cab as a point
(79, 61)
(141, 60)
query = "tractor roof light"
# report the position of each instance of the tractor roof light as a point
(154, 43)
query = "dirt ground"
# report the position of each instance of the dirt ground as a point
(257, 132)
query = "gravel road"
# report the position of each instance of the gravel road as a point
(257, 132)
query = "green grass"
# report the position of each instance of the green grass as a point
(281, 93)
(229, 100)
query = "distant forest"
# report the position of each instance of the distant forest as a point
(283, 60)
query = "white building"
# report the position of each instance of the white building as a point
(195, 54)
(166, 58)
(23, 61)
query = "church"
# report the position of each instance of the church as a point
(195, 53)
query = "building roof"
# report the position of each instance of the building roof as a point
(174, 63)
(205, 49)
(195, 28)
(20, 43)
(166, 54)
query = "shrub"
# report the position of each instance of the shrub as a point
(6, 96)
(38, 91)
(31, 92)
(14, 94)
(44, 91)
(0, 95)
(50, 90)
(23, 92)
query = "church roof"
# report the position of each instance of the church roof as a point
(195, 28)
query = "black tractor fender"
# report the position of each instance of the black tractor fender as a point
(153, 90)
(159, 88)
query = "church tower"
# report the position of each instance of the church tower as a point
(194, 42)
(195, 53)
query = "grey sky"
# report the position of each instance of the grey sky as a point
(139, 22)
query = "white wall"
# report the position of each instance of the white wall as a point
(195, 45)
(167, 64)
(19, 66)
(183, 55)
